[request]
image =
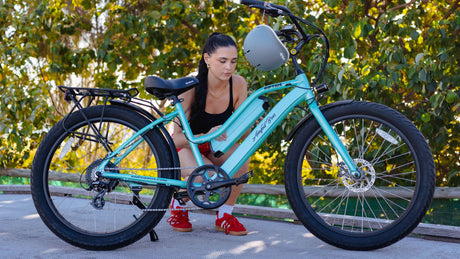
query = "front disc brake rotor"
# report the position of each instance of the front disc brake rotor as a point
(365, 182)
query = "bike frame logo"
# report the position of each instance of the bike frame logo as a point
(269, 120)
(273, 86)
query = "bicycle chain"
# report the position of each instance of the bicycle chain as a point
(157, 169)
(151, 169)
(168, 209)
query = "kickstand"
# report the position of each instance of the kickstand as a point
(153, 235)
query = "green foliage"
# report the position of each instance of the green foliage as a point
(404, 55)
(399, 53)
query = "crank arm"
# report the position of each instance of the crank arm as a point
(180, 196)
(236, 181)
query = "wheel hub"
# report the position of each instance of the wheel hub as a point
(96, 182)
(363, 183)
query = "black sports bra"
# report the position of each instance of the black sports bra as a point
(202, 122)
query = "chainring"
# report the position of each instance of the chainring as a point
(198, 188)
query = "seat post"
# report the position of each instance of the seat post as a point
(174, 100)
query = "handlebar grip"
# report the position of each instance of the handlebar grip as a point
(252, 2)
(265, 5)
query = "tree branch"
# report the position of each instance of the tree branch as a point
(193, 29)
(401, 6)
(125, 58)
(451, 9)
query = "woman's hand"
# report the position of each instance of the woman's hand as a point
(222, 137)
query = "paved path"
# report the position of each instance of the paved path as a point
(23, 235)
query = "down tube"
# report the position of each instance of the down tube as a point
(263, 130)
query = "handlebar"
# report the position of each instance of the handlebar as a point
(252, 2)
(271, 9)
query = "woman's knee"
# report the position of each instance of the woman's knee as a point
(243, 169)
(187, 159)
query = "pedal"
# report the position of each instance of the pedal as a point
(235, 181)
(180, 196)
(244, 178)
(322, 88)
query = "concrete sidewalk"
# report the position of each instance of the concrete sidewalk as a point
(23, 235)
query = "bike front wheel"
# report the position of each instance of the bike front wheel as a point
(115, 213)
(381, 207)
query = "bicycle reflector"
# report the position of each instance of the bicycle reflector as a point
(263, 49)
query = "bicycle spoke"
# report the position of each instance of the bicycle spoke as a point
(386, 174)
(389, 203)
(327, 205)
(363, 205)
(391, 158)
(377, 160)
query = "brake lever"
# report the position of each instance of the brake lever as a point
(288, 31)
(286, 38)
(269, 10)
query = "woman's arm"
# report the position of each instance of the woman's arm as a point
(240, 93)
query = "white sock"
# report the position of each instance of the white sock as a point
(224, 209)
(177, 204)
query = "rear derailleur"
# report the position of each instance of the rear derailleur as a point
(99, 184)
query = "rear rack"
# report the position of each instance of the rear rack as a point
(76, 95)
(109, 93)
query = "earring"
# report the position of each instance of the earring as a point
(207, 65)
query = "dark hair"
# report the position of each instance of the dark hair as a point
(214, 41)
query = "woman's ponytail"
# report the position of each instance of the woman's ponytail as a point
(214, 41)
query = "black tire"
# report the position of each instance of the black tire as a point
(59, 181)
(378, 210)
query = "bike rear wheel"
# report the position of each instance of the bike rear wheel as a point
(63, 170)
(384, 205)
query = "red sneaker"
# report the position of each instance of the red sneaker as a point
(179, 220)
(230, 225)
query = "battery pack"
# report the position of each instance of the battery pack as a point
(240, 126)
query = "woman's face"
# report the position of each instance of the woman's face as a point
(222, 63)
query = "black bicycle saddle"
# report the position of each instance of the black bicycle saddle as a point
(163, 88)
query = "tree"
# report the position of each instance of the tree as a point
(108, 44)
(404, 54)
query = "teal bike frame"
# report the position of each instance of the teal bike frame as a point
(301, 92)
